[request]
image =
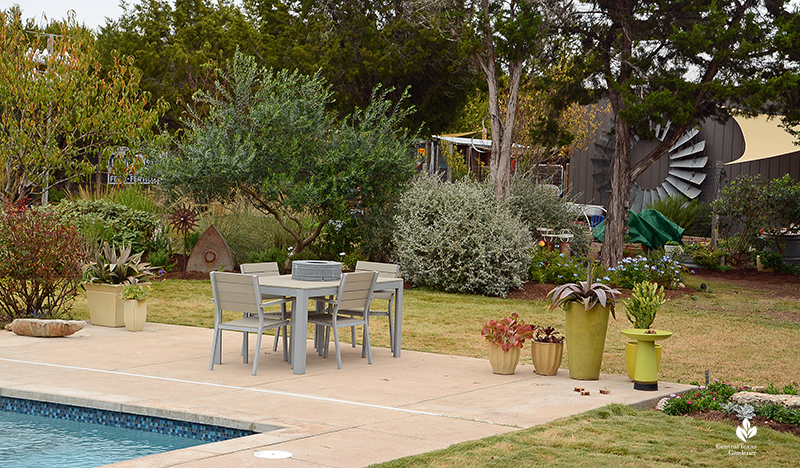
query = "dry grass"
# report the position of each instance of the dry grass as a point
(739, 335)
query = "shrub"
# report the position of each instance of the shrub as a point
(553, 267)
(40, 263)
(538, 206)
(104, 221)
(458, 237)
(704, 255)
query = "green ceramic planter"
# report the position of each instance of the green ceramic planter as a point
(586, 340)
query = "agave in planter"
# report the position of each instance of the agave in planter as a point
(105, 279)
(506, 337)
(587, 306)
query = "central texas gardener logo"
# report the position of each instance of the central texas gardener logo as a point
(745, 431)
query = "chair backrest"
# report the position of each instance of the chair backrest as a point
(262, 269)
(235, 292)
(385, 270)
(355, 290)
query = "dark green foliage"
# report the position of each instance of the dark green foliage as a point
(779, 413)
(171, 45)
(40, 263)
(104, 221)
(692, 215)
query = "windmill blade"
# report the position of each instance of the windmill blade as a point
(696, 163)
(689, 135)
(696, 178)
(684, 187)
(662, 192)
(695, 148)
(670, 189)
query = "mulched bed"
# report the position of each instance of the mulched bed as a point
(757, 421)
(777, 284)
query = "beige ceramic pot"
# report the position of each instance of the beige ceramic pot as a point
(503, 362)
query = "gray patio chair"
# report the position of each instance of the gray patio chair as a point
(267, 269)
(385, 270)
(240, 293)
(349, 308)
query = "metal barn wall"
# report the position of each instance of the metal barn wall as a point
(724, 143)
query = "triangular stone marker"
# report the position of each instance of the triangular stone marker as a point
(211, 253)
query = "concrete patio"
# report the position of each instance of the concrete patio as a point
(356, 416)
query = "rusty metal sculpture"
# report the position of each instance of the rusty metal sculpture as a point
(183, 220)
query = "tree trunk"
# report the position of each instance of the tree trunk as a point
(617, 213)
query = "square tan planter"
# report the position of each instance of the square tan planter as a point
(106, 306)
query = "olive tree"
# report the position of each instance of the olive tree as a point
(268, 135)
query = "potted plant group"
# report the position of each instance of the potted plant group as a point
(104, 279)
(587, 305)
(134, 296)
(641, 311)
(506, 338)
(547, 348)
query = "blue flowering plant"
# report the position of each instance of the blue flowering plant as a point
(657, 268)
(553, 267)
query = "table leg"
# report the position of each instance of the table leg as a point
(300, 332)
(398, 321)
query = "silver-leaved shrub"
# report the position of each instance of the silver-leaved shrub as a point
(458, 237)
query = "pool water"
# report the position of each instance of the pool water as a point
(32, 441)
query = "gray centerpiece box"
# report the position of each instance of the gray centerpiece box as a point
(316, 270)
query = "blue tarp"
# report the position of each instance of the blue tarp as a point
(649, 227)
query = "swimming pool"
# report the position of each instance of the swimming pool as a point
(37, 434)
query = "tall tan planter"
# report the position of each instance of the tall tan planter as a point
(586, 339)
(546, 357)
(106, 306)
(135, 314)
(503, 362)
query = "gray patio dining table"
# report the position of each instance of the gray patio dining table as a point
(302, 290)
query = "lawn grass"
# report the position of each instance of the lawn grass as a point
(615, 436)
(726, 331)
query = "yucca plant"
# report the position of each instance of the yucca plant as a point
(586, 292)
(116, 268)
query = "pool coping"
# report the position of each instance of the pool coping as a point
(139, 410)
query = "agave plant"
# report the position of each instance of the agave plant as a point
(586, 292)
(116, 268)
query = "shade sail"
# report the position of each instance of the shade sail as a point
(763, 139)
